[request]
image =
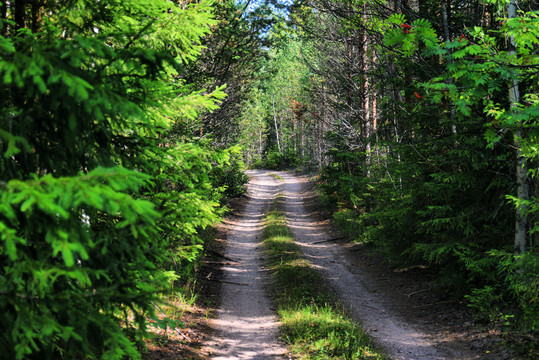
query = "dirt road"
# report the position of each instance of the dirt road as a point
(246, 327)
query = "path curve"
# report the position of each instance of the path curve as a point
(246, 326)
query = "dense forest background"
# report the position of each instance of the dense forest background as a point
(125, 126)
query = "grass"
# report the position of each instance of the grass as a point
(276, 177)
(314, 324)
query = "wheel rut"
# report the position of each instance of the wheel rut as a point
(246, 326)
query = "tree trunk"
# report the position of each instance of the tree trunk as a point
(37, 11)
(365, 94)
(3, 15)
(447, 34)
(302, 136)
(20, 14)
(521, 222)
(275, 122)
(260, 139)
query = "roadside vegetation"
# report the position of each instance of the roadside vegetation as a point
(313, 323)
(106, 192)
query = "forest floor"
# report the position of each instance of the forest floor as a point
(398, 308)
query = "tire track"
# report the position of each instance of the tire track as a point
(246, 326)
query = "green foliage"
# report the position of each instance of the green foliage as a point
(64, 277)
(438, 187)
(254, 127)
(521, 279)
(231, 177)
(278, 119)
(102, 200)
(408, 36)
(275, 160)
(511, 300)
(235, 46)
(485, 301)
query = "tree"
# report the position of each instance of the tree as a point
(280, 108)
(522, 168)
(253, 123)
(231, 56)
(101, 199)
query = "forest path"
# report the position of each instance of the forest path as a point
(246, 326)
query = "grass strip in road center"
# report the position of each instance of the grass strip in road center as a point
(314, 324)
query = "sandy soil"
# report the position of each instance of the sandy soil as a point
(400, 315)
(246, 326)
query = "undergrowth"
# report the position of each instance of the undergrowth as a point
(314, 324)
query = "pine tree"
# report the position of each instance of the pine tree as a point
(101, 201)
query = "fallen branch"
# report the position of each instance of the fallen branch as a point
(178, 331)
(182, 335)
(416, 292)
(221, 262)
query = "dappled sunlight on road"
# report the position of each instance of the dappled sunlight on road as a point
(246, 325)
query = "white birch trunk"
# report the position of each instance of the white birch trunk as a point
(276, 128)
(521, 222)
